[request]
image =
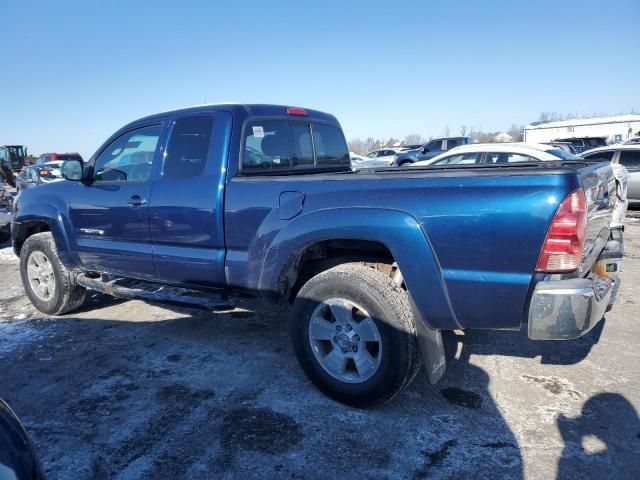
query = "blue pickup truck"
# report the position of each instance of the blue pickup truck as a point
(225, 200)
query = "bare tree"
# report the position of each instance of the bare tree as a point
(413, 139)
(515, 131)
(447, 132)
(463, 130)
(357, 146)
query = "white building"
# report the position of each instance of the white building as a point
(616, 128)
(503, 137)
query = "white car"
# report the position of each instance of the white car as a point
(357, 160)
(496, 153)
(382, 157)
(488, 153)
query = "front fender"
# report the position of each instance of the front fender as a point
(50, 210)
(397, 230)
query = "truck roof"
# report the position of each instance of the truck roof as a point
(246, 109)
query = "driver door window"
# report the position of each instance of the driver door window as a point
(129, 157)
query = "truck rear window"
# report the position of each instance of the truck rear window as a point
(275, 146)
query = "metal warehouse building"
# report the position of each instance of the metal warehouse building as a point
(616, 128)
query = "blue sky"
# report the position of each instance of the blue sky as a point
(75, 71)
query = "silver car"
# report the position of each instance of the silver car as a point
(627, 156)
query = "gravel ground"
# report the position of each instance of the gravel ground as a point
(128, 390)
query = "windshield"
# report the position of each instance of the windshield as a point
(563, 154)
(17, 151)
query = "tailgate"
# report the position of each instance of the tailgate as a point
(599, 186)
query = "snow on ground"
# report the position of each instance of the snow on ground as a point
(7, 255)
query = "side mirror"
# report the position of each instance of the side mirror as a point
(72, 170)
(424, 150)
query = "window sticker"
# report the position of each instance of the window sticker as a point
(258, 132)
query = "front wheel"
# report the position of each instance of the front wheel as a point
(354, 335)
(50, 286)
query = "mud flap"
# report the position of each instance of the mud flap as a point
(431, 346)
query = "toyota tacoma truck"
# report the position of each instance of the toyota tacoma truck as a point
(200, 205)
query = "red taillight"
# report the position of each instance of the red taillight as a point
(296, 111)
(563, 245)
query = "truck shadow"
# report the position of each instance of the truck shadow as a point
(518, 344)
(125, 396)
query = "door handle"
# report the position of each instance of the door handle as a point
(136, 201)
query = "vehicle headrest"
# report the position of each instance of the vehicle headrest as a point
(274, 146)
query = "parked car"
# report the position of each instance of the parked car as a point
(61, 157)
(626, 155)
(632, 141)
(382, 157)
(38, 174)
(357, 160)
(501, 153)
(410, 147)
(375, 262)
(581, 144)
(567, 146)
(429, 150)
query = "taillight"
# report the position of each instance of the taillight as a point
(296, 111)
(563, 245)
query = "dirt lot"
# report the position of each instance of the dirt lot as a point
(129, 390)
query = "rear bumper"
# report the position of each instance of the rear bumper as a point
(565, 309)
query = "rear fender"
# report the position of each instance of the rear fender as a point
(397, 230)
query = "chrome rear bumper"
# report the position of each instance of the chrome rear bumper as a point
(565, 309)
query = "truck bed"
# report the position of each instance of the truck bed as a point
(466, 215)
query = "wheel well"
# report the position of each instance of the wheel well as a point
(27, 229)
(322, 255)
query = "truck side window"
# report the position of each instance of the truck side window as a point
(331, 147)
(129, 157)
(266, 147)
(188, 147)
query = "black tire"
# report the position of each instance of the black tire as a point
(404, 164)
(388, 306)
(67, 295)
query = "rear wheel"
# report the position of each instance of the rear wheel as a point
(50, 286)
(355, 336)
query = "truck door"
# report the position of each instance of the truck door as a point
(186, 210)
(110, 216)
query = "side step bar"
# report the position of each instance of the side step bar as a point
(156, 293)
